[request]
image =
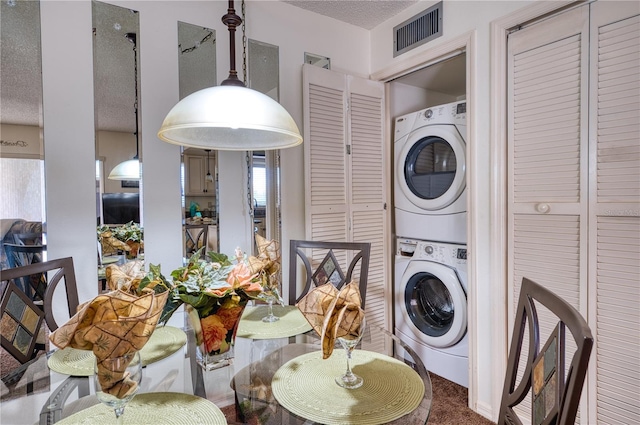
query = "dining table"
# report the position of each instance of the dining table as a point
(278, 376)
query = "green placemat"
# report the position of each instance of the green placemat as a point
(154, 408)
(164, 341)
(291, 323)
(306, 387)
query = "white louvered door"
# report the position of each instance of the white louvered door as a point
(548, 155)
(614, 266)
(574, 186)
(345, 176)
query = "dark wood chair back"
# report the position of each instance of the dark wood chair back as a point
(20, 255)
(324, 262)
(196, 237)
(60, 270)
(555, 389)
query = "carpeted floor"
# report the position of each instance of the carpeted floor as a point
(450, 403)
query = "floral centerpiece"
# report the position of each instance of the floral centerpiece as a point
(215, 291)
(127, 238)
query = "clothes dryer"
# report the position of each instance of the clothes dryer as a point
(430, 174)
(430, 300)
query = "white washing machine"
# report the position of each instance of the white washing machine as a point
(430, 174)
(430, 304)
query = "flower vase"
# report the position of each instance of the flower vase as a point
(216, 332)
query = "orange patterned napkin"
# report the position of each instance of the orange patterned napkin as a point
(111, 325)
(332, 313)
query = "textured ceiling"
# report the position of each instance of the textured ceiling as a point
(366, 14)
(21, 83)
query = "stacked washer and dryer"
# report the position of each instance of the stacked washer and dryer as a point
(430, 293)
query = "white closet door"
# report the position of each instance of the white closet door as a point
(615, 211)
(344, 174)
(368, 192)
(547, 154)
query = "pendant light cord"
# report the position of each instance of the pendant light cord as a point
(244, 44)
(244, 75)
(132, 37)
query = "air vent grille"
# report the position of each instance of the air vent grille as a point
(418, 30)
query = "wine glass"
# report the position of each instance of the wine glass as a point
(117, 381)
(349, 379)
(270, 317)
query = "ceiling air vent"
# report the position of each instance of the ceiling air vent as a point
(417, 30)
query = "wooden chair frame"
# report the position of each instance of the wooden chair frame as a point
(363, 251)
(526, 318)
(201, 233)
(64, 268)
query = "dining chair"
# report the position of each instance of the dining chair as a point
(20, 255)
(196, 237)
(57, 271)
(555, 390)
(324, 262)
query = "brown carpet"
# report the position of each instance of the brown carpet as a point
(449, 406)
(450, 403)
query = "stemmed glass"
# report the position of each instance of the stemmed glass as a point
(349, 379)
(270, 317)
(117, 381)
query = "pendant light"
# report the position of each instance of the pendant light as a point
(130, 169)
(230, 116)
(208, 177)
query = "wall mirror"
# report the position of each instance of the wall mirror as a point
(197, 70)
(264, 166)
(22, 209)
(116, 66)
(22, 190)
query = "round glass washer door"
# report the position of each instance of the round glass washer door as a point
(431, 167)
(435, 303)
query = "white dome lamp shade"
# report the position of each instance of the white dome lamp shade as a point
(230, 116)
(130, 169)
(126, 170)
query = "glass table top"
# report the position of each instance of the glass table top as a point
(257, 388)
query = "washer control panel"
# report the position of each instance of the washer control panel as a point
(453, 255)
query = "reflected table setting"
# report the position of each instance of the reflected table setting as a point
(272, 380)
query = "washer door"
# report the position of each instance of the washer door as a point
(431, 167)
(435, 303)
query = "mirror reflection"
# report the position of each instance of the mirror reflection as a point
(22, 210)
(197, 70)
(116, 92)
(264, 76)
(22, 190)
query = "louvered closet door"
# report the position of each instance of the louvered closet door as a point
(345, 176)
(547, 155)
(615, 210)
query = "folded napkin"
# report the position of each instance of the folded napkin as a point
(126, 277)
(332, 313)
(112, 325)
(267, 266)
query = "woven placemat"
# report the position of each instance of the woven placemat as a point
(164, 341)
(306, 387)
(154, 408)
(291, 323)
